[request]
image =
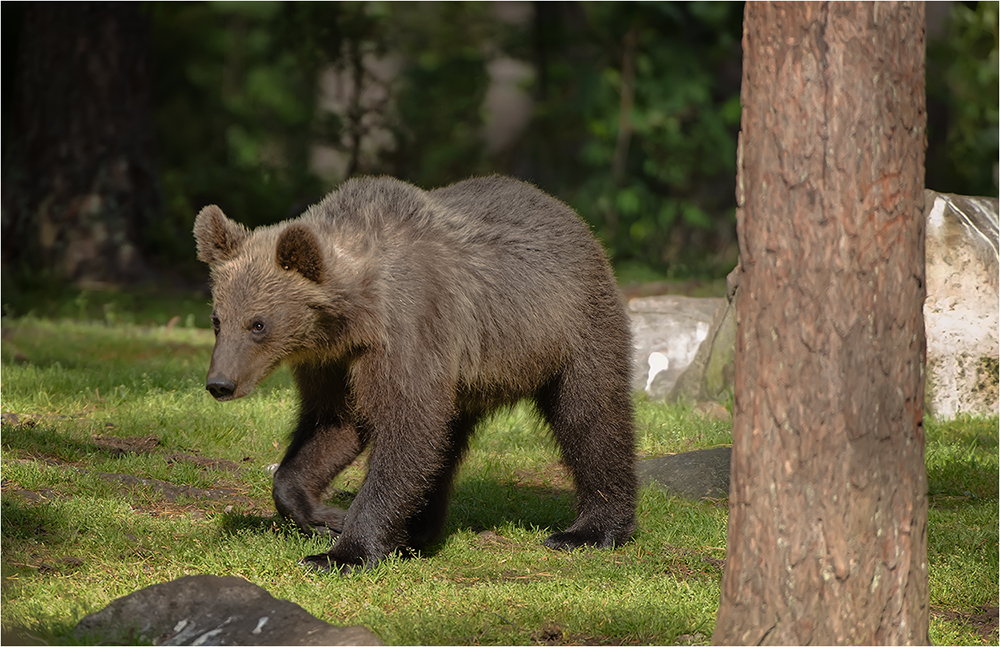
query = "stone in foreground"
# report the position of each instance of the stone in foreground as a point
(211, 610)
(701, 474)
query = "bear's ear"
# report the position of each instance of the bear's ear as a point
(218, 237)
(299, 250)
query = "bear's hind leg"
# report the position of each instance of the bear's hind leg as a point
(591, 419)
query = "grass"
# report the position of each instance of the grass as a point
(962, 548)
(85, 401)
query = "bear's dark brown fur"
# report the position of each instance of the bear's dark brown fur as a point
(406, 317)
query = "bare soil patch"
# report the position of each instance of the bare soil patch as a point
(985, 621)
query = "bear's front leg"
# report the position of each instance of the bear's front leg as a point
(378, 522)
(325, 441)
(369, 540)
(413, 451)
(317, 454)
(298, 496)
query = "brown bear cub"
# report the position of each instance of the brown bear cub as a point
(406, 317)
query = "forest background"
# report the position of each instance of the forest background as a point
(627, 111)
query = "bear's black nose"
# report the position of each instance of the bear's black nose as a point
(220, 387)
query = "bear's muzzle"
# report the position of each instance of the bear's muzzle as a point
(221, 388)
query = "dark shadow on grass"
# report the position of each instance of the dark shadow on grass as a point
(484, 504)
(985, 621)
(26, 519)
(56, 633)
(477, 505)
(234, 523)
(970, 477)
(49, 298)
(37, 436)
(962, 458)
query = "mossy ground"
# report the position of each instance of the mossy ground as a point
(119, 471)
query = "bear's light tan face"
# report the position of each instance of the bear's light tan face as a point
(274, 300)
(261, 317)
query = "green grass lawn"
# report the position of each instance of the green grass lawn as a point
(91, 408)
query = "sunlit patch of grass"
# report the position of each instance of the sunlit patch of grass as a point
(100, 421)
(963, 476)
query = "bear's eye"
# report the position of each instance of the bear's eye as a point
(216, 324)
(257, 327)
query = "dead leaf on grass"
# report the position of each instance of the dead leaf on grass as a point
(490, 539)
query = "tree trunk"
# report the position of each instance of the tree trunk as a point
(79, 173)
(827, 537)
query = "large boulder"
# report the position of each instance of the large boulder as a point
(961, 310)
(667, 332)
(710, 374)
(211, 610)
(960, 319)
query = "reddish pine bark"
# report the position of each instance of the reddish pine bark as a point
(827, 536)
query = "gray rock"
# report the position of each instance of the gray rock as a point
(667, 332)
(701, 474)
(211, 610)
(961, 320)
(961, 314)
(710, 374)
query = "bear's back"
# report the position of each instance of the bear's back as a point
(476, 209)
(375, 204)
(504, 211)
(491, 217)
(503, 281)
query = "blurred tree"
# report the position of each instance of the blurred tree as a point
(635, 110)
(356, 112)
(651, 177)
(236, 93)
(444, 48)
(80, 178)
(963, 83)
(244, 102)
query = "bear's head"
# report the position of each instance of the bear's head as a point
(271, 300)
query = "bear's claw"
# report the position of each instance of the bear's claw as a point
(325, 563)
(573, 539)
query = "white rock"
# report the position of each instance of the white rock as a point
(667, 331)
(961, 318)
(962, 310)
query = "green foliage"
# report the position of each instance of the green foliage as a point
(636, 110)
(237, 116)
(234, 95)
(662, 148)
(441, 90)
(964, 76)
